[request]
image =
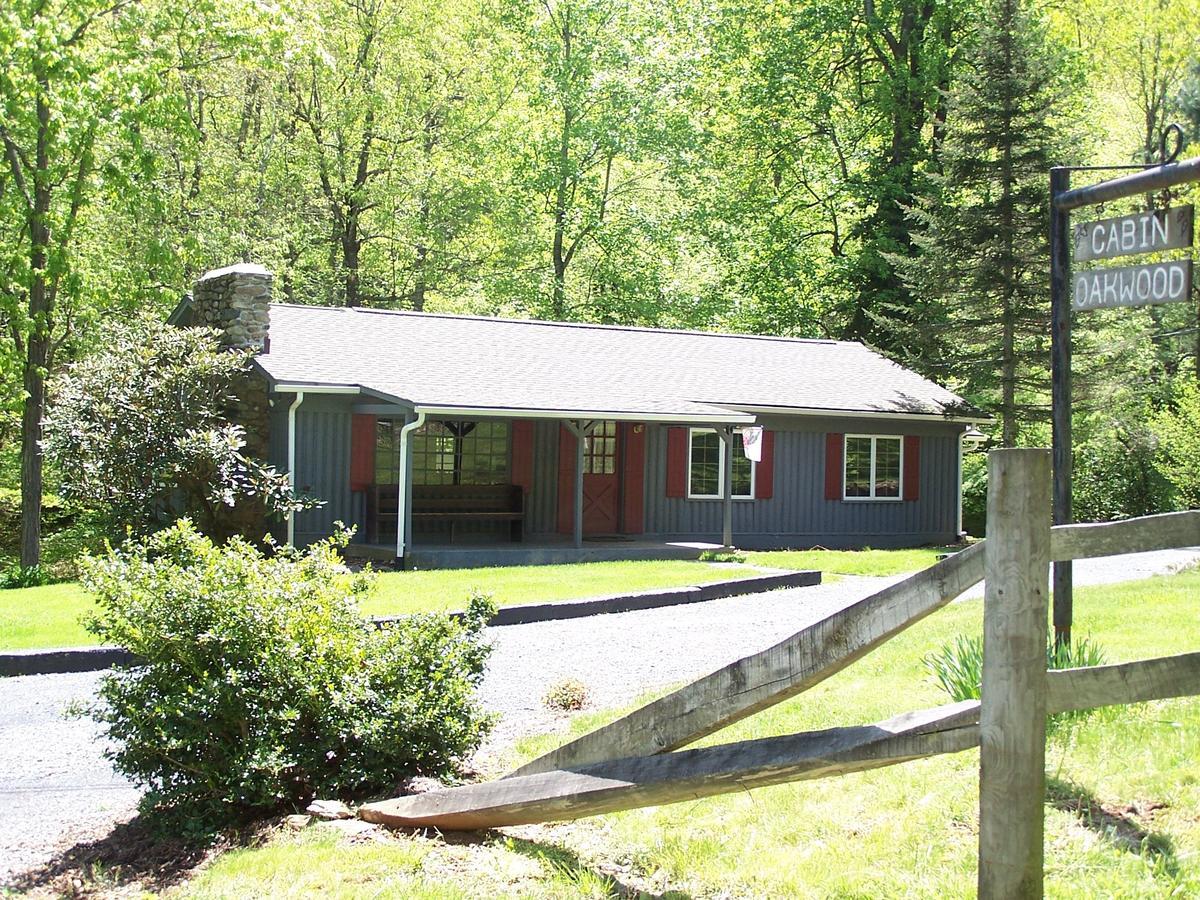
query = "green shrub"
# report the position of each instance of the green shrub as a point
(957, 665)
(262, 686)
(19, 576)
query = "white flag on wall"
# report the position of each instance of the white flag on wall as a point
(752, 442)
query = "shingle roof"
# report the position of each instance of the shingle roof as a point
(441, 360)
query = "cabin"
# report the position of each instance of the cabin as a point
(450, 440)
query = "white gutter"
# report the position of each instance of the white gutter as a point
(934, 418)
(291, 464)
(402, 483)
(592, 415)
(286, 387)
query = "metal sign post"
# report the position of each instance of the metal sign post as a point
(1131, 286)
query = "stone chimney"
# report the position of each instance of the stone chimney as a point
(236, 301)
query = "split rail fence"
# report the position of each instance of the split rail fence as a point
(636, 761)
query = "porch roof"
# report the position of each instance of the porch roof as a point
(446, 363)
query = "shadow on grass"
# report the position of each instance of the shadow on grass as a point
(591, 881)
(134, 854)
(560, 862)
(1122, 827)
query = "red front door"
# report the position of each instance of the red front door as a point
(601, 488)
(601, 480)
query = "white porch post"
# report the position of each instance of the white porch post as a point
(727, 494)
(581, 430)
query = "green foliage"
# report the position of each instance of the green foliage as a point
(1178, 428)
(138, 434)
(983, 317)
(24, 577)
(56, 515)
(260, 685)
(723, 556)
(974, 493)
(1117, 476)
(957, 665)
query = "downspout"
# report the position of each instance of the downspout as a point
(402, 487)
(291, 464)
(959, 530)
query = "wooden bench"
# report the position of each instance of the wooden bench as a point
(449, 503)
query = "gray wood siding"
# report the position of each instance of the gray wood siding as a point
(323, 466)
(541, 511)
(798, 514)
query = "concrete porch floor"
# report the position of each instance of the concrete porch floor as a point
(539, 552)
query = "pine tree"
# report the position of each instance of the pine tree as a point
(981, 281)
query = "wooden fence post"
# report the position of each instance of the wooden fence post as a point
(1012, 723)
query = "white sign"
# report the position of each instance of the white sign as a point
(1168, 282)
(752, 442)
(1145, 232)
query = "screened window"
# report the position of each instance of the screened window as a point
(445, 453)
(873, 465)
(706, 466)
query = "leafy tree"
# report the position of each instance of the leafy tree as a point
(982, 272)
(138, 431)
(73, 72)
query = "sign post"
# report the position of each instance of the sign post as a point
(1168, 282)
(1060, 387)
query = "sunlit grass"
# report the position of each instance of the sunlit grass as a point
(48, 616)
(849, 562)
(51, 616)
(428, 591)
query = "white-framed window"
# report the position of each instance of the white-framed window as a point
(706, 467)
(872, 467)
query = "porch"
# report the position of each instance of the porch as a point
(485, 491)
(543, 551)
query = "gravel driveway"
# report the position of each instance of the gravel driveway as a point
(58, 789)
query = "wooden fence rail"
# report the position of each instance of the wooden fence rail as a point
(690, 774)
(626, 764)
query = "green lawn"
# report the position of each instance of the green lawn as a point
(401, 592)
(50, 616)
(46, 616)
(848, 562)
(907, 831)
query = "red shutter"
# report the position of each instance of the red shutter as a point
(677, 462)
(362, 452)
(834, 448)
(522, 454)
(764, 472)
(912, 467)
(566, 481)
(633, 478)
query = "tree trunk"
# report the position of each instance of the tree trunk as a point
(351, 247)
(558, 300)
(37, 346)
(416, 297)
